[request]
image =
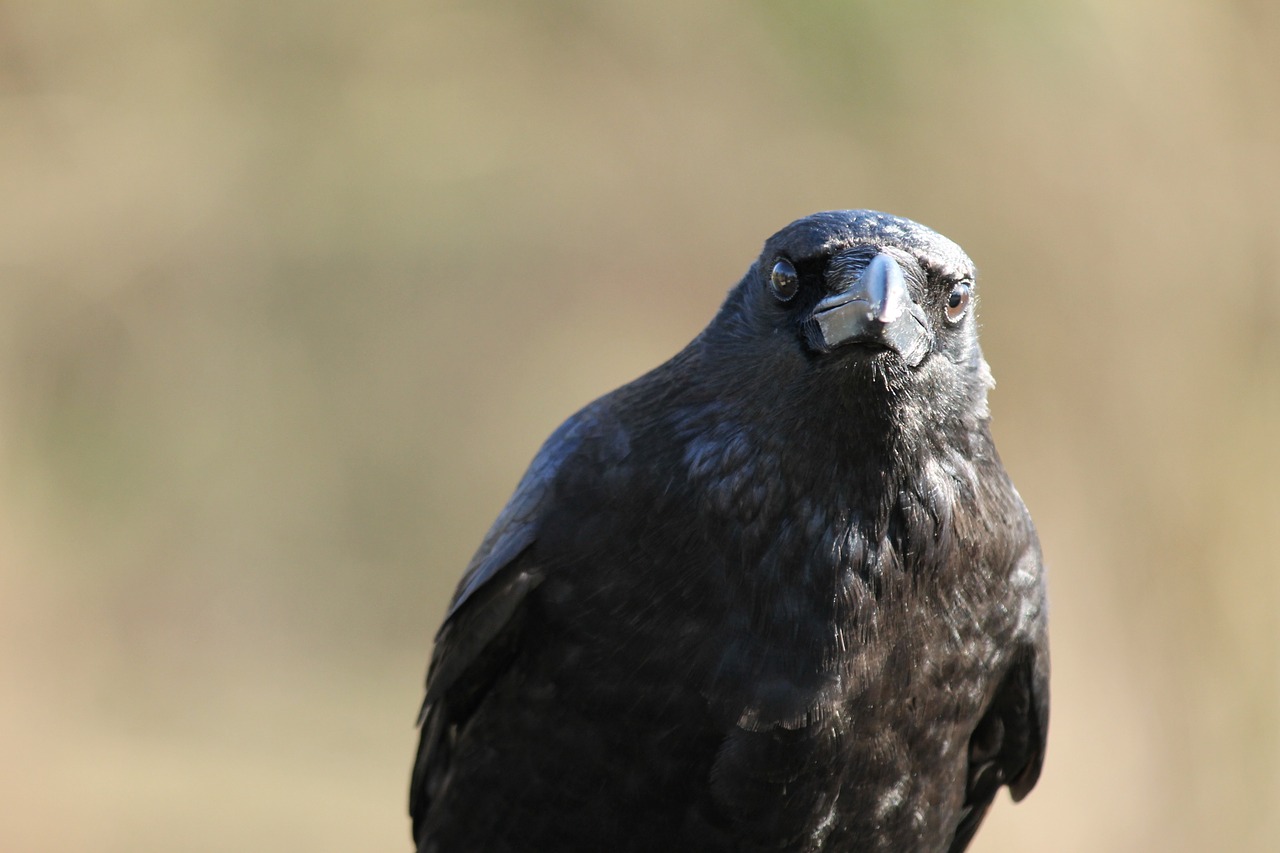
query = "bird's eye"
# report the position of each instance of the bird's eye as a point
(958, 301)
(783, 281)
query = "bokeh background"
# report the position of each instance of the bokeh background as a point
(290, 292)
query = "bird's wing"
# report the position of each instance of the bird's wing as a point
(1007, 748)
(516, 526)
(478, 638)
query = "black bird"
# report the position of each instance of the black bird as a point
(778, 594)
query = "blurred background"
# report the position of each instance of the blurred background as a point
(290, 293)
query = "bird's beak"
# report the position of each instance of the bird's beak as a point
(875, 309)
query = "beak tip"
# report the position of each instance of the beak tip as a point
(886, 313)
(887, 287)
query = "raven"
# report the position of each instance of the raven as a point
(778, 594)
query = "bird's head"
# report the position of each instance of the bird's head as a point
(882, 300)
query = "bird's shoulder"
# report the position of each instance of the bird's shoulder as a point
(516, 526)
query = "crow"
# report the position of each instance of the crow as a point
(778, 594)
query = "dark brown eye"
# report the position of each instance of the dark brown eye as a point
(958, 301)
(783, 281)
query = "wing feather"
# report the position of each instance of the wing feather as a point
(482, 627)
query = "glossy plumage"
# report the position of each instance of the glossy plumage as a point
(775, 595)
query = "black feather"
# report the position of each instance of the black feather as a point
(764, 598)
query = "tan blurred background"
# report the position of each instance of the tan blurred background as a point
(291, 291)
